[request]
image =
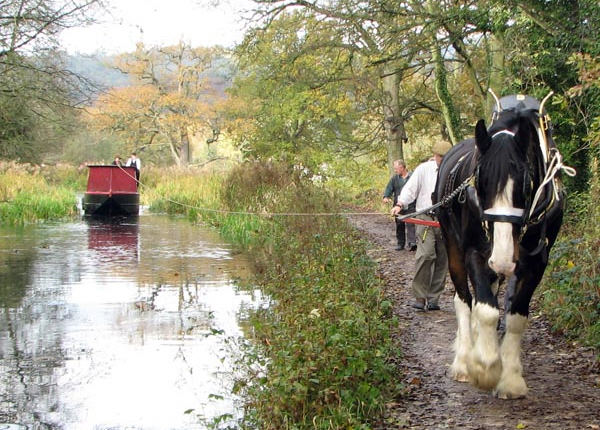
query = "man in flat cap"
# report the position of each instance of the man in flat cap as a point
(431, 260)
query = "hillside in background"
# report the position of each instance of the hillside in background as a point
(97, 69)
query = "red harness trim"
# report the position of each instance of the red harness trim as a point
(422, 222)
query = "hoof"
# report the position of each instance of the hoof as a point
(460, 376)
(509, 396)
(516, 388)
(459, 373)
(485, 375)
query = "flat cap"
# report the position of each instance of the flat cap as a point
(441, 147)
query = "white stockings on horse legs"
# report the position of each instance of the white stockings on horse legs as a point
(484, 364)
(511, 384)
(462, 343)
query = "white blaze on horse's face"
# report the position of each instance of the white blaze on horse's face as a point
(502, 260)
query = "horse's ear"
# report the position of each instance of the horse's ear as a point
(482, 138)
(523, 136)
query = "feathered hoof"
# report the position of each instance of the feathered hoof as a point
(459, 373)
(511, 388)
(485, 375)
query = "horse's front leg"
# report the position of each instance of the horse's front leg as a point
(512, 384)
(462, 308)
(484, 363)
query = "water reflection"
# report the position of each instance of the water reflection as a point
(105, 325)
(115, 240)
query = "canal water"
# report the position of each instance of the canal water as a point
(118, 326)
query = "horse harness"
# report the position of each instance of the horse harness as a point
(538, 209)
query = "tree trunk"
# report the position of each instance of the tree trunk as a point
(174, 152)
(185, 147)
(395, 133)
(451, 117)
(496, 82)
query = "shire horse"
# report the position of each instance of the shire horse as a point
(499, 229)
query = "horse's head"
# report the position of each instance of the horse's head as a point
(504, 185)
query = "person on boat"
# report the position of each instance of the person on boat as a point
(431, 260)
(134, 161)
(117, 161)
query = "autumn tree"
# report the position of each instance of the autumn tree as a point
(173, 97)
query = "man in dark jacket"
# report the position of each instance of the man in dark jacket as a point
(393, 188)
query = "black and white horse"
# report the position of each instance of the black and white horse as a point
(499, 229)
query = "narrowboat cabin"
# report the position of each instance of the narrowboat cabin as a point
(111, 191)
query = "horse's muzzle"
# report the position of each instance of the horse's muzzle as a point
(502, 268)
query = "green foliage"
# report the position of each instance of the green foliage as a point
(16, 125)
(571, 294)
(326, 334)
(295, 94)
(359, 183)
(34, 194)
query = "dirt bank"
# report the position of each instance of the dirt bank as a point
(563, 379)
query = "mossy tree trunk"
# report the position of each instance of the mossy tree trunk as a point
(395, 133)
(449, 111)
(497, 72)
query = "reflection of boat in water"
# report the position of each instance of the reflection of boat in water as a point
(116, 240)
(111, 191)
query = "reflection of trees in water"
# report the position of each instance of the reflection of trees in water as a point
(173, 265)
(28, 388)
(27, 363)
(31, 334)
(193, 317)
(15, 274)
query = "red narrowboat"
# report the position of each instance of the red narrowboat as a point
(111, 191)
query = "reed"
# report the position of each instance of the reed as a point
(27, 196)
(196, 195)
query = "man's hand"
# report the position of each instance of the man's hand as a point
(387, 200)
(397, 209)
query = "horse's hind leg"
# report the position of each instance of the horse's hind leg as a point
(462, 300)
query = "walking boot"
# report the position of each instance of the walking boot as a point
(418, 304)
(433, 305)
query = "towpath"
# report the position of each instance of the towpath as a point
(563, 378)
